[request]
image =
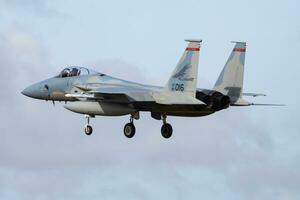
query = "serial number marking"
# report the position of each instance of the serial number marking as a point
(178, 87)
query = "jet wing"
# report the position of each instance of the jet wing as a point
(107, 88)
(117, 98)
(125, 94)
(117, 94)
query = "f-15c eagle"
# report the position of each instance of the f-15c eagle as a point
(91, 93)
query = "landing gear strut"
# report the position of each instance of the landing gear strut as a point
(88, 128)
(166, 129)
(129, 128)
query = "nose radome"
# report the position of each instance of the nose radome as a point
(30, 91)
(34, 91)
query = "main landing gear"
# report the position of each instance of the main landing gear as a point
(129, 128)
(88, 128)
(166, 128)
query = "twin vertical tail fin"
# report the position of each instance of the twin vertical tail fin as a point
(230, 81)
(184, 77)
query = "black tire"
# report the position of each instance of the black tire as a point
(166, 130)
(129, 130)
(88, 130)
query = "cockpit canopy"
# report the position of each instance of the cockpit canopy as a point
(75, 71)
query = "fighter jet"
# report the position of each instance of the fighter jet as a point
(92, 93)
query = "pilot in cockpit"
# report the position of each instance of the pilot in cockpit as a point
(68, 72)
(65, 73)
(74, 72)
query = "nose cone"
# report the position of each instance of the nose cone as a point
(36, 91)
(26, 92)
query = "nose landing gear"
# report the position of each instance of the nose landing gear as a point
(88, 128)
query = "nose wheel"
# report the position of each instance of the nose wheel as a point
(166, 129)
(88, 129)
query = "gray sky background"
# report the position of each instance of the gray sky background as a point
(239, 153)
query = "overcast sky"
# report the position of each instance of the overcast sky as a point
(248, 153)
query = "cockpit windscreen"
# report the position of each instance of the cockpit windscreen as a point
(75, 71)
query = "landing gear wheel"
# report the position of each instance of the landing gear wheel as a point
(129, 130)
(88, 130)
(166, 130)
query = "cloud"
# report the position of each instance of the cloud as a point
(269, 178)
(45, 154)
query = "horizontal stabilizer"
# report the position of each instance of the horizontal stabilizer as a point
(254, 94)
(266, 104)
(242, 102)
